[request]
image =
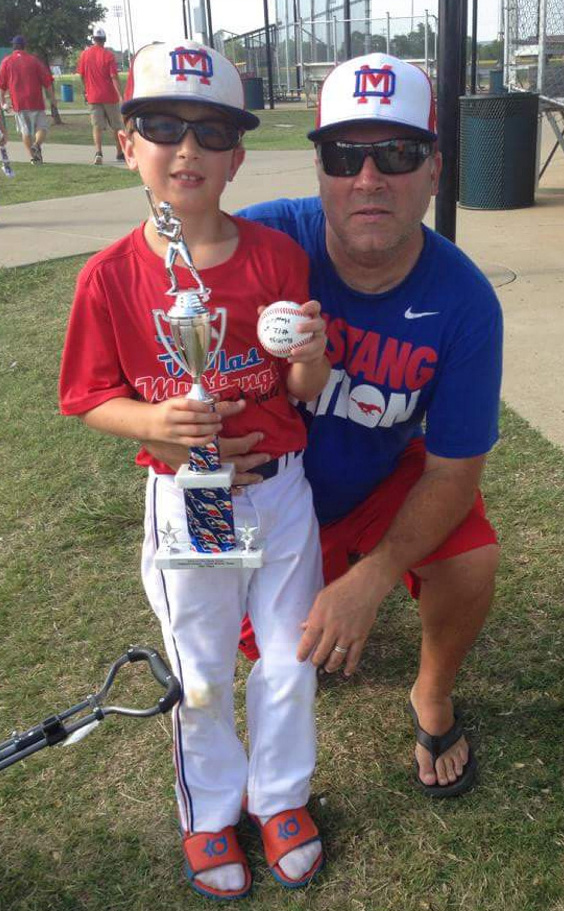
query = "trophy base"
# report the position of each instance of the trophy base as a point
(203, 480)
(184, 556)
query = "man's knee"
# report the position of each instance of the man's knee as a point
(467, 572)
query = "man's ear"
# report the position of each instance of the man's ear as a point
(436, 168)
(318, 165)
(128, 148)
(237, 159)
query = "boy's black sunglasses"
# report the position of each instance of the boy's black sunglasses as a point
(166, 129)
(392, 156)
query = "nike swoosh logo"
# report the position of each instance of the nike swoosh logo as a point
(409, 315)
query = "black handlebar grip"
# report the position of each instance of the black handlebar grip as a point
(161, 672)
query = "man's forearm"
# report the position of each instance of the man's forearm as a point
(117, 86)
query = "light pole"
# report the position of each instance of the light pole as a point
(118, 13)
(448, 90)
(129, 29)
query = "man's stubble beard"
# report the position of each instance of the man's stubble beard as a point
(368, 250)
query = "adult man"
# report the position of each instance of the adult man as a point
(24, 76)
(97, 68)
(414, 332)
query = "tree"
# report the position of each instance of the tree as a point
(51, 27)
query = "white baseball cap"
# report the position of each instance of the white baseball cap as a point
(376, 88)
(98, 33)
(186, 71)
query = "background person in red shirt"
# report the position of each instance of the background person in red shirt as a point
(25, 76)
(98, 70)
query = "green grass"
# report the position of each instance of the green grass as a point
(280, 129)
(52, 181)
(93, 826)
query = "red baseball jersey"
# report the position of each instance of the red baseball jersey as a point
(97, 65)
(113, 349)
(25, 76)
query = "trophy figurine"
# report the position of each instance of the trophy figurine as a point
(205, 481)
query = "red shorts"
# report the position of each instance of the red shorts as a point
(360, 531)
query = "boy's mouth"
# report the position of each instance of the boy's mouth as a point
(188, 177)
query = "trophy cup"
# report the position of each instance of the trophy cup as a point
(213, 539)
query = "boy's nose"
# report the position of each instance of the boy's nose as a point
(189, 145)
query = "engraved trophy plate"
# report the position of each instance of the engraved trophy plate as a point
(212, 538)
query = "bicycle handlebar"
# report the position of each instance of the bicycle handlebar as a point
(54, 730)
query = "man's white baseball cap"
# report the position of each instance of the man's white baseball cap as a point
(98, 33)
(376, 88)
(186, 71)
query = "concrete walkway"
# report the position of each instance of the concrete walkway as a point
(522, 251)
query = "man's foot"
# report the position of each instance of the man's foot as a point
(444, 762)
(36, 154)
(98, 158)
(120, 156)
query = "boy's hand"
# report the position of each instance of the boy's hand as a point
(236, 449)
(314, 323)
(187, 422)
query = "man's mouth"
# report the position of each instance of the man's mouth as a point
(371, 211)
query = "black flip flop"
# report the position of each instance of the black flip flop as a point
(436, 747)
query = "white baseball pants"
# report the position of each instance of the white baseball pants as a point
(200, 611)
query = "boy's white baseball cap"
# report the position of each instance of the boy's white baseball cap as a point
(186, 71)
(376, 88)
(98, 33)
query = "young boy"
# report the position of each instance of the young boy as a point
(184, 118)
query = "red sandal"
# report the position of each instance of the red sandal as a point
(283, 833)
(207, 850)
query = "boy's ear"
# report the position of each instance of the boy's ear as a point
(128, 149)
(237, 159)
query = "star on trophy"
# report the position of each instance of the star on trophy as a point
(205, 481)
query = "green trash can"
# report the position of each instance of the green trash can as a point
(496, 81)
(498, 150)
(67, 92)
(254, 93)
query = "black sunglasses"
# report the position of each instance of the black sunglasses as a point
(166, 129)
(393, 156)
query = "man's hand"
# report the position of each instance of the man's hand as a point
(239, 451)
(55, 114)
(342, 616)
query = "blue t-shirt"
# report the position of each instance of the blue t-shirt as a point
(430, 349)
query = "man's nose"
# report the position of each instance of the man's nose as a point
(369, 177)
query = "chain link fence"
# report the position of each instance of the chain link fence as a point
(304, 51)
(534, 47)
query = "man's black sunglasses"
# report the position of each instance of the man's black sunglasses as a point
(393, 156)
(166, 129)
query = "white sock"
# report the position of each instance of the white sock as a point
(296, 863)
(230, 878)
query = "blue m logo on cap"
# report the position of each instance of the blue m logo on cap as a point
(375, 83)
(191, 63)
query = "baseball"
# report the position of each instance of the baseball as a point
(277, 330)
